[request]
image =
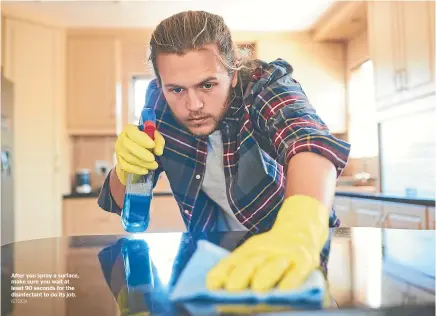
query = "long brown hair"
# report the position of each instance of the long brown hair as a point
(192, 30)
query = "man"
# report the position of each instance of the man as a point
(242, 148)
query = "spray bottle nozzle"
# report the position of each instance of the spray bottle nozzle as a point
(149, 128)
(148, 118)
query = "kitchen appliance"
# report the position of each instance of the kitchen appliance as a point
(7, 191)
(83, 181)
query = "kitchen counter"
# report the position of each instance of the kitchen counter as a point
(366, 274)
(397, 198)
(94, 194)
(75, 195)
(354, 192)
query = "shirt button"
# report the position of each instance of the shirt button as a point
(197, 177)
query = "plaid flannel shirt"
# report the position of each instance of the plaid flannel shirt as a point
(269, 121)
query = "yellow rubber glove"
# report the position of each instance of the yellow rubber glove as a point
(282, 257)
(134, 151)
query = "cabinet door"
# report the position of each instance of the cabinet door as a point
(165, 215)
(34, 64)
(342, 207)
(83, 216)
(367, 213)
(417, 51)
(431, 222)
(93, 80)
(383, 43)
(400, 215)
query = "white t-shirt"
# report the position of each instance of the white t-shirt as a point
(214, 183)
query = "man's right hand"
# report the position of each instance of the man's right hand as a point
(135, 152)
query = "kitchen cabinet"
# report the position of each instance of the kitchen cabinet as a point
(431, 222)
(404, 216)
(367, 213)
(93, 84)
(343, 210)
(401, 44)
(34, 63)
(83, 216)
(363, 212)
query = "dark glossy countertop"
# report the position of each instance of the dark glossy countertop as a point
(95, 193)
(387, 197)
(370, 270)
(362, 195)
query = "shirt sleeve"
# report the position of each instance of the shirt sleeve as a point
(105, 199)
(281, 111)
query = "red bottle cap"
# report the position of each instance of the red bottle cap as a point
(149, 128)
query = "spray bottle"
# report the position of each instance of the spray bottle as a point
(135, 215)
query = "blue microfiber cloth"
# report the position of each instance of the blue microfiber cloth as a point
(191, 285)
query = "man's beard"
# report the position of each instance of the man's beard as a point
(216, 120)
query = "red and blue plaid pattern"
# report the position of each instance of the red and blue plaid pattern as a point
(268, 122)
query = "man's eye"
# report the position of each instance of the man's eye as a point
(177, 90)
(208, 86)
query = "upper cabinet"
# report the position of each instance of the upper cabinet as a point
(401, 44)
(93, 84)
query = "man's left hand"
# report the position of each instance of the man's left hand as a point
(283, 257)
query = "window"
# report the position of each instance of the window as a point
(362, 126)
(139, 88)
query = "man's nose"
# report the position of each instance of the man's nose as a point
(193, 103)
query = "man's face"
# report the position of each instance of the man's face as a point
(196, 86)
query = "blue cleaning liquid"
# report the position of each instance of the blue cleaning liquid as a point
(136, 213)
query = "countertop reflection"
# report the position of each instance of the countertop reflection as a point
(388, 272)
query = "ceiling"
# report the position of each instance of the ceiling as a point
(240, 15)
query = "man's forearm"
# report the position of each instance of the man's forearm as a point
(312, 175)
(117, 188)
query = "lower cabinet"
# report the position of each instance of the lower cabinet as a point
(361, 212)
(83, 216)
(398, 215)
(431, 218)
(343, 210)
(367, 213)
